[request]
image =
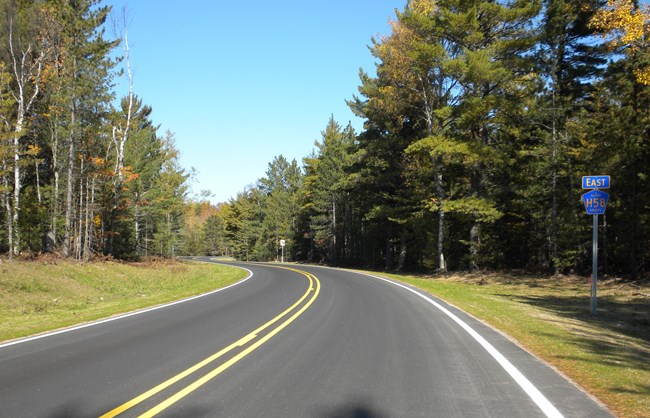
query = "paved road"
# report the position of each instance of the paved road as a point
(303, 342)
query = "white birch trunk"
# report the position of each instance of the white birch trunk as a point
(6, 200)
(120, 143)
(27, 73)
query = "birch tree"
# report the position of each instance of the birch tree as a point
(28, 53)
(6, 106)
(121, 130)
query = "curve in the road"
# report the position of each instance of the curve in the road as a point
(535, 395)
(348, 345)
(251, 342)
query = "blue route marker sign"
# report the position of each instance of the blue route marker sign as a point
(595, 182)
(595, 202)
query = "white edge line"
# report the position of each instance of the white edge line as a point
(540, 400)
(126, 315)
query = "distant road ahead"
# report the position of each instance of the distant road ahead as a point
(287, 342)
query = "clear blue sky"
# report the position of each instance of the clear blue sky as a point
(242, 82)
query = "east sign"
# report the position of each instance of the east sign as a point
(595, 182)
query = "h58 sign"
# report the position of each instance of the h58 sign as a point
(595, 202)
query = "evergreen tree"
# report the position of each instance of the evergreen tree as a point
(620, 118)
(129, 227)
(325, 194)
(79, 100)
(214, 235)
(447, 83)
(281, 185)
(168, 199)
(568, 62)
(244, 224)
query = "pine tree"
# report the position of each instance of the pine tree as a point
(214, 234)
(567, 64)
(325, 197)
(144, 157)
(244, 224)
(168, 199)
(79, 100)
(449, 78)
(612, 136)
(281, 184)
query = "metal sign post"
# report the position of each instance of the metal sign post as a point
(595, 203)
(282, 244)
(594, 268)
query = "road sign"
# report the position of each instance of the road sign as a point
(595, 182)
(595, 202)
(282, 243)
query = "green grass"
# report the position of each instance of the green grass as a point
(608, 355)
(41, 296)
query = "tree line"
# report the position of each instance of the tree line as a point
(82, 174)
(478, 125)
(479, 120)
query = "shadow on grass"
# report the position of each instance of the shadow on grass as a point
(644, 390)
(617, 337)
(628, 318)
(617, 320)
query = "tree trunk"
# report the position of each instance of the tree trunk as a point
(442, 265)
(52, 230)
(136, 226)
(389, 248)
(401, 261)
(348, 241)
(474, 246)
(6, 200)
(553, 238)
(38, 183)
(79, 236)
(120, 143)
(27, 71)
(334, 250)
(90, 200)
(17, 180)
(69, 191)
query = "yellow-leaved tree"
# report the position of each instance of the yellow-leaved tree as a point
(628, 24)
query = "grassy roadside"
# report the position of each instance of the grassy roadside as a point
(37, 296)
(608, 355)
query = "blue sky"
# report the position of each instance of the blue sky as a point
(242, 82)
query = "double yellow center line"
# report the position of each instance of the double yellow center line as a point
(251, 341)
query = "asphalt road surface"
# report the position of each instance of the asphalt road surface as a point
(289, 341)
